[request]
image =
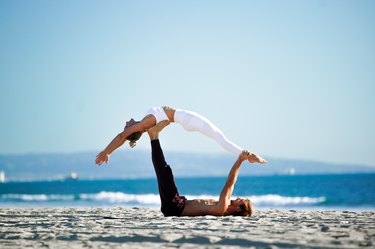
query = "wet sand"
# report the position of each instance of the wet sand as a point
(148, 228)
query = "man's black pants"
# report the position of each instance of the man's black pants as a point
(172, 204)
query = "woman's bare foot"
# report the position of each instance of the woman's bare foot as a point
(155, 130)
(254, 158)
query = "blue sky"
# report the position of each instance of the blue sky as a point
(290, 79)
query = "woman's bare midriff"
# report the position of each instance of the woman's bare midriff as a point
(170, 112)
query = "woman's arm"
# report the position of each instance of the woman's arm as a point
(113, 145)
(145, 124)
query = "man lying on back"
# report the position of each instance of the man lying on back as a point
(172, 204)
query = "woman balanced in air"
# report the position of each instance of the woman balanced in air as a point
(190, 121)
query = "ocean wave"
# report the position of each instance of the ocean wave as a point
(122, 198)
(278, 200)
(35, 197)
(272, 200)
(110, 198)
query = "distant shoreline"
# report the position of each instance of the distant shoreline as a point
(185, 177)
(137, 165)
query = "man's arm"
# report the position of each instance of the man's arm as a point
(226, 193)
(196, 208)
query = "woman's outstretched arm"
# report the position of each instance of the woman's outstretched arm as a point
(146, 123)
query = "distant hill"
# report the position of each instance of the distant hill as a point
(137, 164)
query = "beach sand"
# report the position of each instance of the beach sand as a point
(147, 228)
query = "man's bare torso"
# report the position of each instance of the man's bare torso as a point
(199, 207)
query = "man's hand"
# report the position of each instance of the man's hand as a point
(101, 158)
(244, 155)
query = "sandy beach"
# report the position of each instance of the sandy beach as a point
(146, 228)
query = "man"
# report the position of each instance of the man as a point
(172, 204)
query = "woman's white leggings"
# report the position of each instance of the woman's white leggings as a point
(192, 121)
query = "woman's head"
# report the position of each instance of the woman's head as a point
(135, 136)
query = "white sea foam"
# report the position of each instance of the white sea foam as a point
(272, 200)
(154, 199)
(278, 200)
(120, 197)
(36, 197)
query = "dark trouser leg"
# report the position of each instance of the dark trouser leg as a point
(166, 183)
(171, 202)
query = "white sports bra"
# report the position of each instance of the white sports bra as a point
(158, 113)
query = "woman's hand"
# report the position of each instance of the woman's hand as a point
(102, 157)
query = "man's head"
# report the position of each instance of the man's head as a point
(240, 207)
(135, 136)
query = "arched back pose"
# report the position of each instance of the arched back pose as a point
(190, 121)
(174, 204)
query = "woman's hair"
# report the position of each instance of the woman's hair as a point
(133, 138)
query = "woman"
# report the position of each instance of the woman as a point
(190, 121)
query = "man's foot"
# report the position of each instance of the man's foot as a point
(155, 130)
(254, 158)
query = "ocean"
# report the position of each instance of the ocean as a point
(313, 192)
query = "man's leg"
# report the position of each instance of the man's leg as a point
(171, 202)
(163, 172)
